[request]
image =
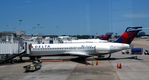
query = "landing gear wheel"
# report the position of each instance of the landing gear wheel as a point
(107, 56)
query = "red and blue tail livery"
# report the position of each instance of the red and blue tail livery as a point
(129, 35)
(101, 36)
(107, 36)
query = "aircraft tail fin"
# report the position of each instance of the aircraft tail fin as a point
(128, 36)
(101, 36)
(107, 36)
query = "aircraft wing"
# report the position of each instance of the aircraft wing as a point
(78, 53)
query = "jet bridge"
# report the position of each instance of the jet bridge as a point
(8, 51)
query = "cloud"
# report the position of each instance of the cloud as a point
(136, 15)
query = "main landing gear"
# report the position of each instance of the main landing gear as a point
(107, 56)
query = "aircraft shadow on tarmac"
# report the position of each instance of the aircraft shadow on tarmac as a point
(132, 57)
(78, 60)
(84, 61)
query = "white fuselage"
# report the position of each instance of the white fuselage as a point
(86, 41)
(78, 49)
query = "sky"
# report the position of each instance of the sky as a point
(73, 17)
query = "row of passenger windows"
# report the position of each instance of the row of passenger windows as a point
(68, 48)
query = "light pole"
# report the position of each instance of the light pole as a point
(20, 23)
(38, 27)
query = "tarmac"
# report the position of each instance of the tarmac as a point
(132, 68)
